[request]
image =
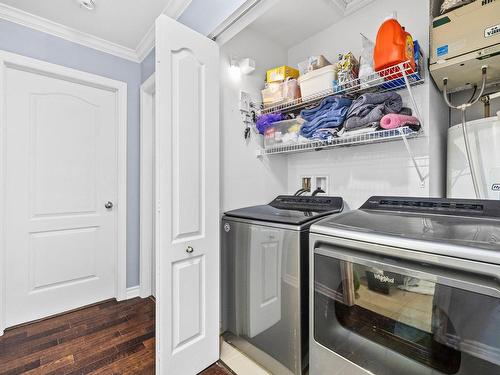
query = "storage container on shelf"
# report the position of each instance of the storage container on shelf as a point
(394, 46)
(312, 63)
(280, 93)
(281, 73)
(283, 132)
(317, 81)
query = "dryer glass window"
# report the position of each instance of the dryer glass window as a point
(393, 322)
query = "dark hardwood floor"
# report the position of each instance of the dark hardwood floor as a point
(110, 338)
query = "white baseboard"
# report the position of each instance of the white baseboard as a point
(133, 292)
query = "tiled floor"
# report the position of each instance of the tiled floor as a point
(238, 362)
(110, 338)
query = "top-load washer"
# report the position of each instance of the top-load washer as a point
(265, 262)
(407, 286)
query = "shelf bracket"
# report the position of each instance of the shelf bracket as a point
(410, 92)
(421, 177)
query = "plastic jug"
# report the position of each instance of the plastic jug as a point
(393, 46)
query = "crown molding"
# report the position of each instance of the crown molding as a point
(174, 9)
(23, 18)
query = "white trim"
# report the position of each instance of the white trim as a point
(146, 44)
(73, 35)
(174, 9)
(3, 309)
(240, 19)
(120, 88)
(251, 10)
(147, 213)
(133, 292)
(350, 7)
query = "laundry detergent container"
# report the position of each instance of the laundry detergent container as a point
(317, 81)
(393, 46)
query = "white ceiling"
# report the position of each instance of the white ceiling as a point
(290, 22)
(124, 22)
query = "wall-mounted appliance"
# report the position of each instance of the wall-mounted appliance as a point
(463, 41)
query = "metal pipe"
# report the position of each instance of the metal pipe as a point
(486, 99)
(471, 102)
(468, 151)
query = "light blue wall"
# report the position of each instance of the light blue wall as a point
(148, 66)
(28, 42)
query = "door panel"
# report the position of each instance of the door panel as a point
(61, 167)
(74, 120)
(188, 285)
(187, 186)
(265, 279)
(187, 144)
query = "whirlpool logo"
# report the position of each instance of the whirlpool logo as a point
(384, 279)
(495, 187)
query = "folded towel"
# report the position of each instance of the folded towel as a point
(371, 107)
(324, 106)
(392, 101)
(394, 120)
(332, 118)
(406, 111)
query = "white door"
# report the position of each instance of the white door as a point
(61, 169)
(187, 134)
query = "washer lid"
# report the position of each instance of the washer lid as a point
(471, 231)
(291, 209)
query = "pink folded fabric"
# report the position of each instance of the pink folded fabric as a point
(394, 120)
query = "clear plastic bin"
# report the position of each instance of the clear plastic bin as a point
(280, 93)
(283, 132)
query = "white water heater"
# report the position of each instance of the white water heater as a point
(484, 140)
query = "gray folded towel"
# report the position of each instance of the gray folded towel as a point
(371, 107)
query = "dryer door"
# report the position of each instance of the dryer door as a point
(392, 316)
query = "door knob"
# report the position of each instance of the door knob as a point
(189, 250)
(108, 205)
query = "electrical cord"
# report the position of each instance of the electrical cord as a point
(317, 191)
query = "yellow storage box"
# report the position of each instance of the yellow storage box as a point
(281, 73)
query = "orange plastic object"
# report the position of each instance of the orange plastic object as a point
(393, 46)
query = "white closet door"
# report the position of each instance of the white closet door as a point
(187, 225)
(61, 169)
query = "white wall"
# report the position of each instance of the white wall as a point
(359, 172)
(245, 179)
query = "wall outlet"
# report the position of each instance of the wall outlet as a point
(321, 182)
(306, 183)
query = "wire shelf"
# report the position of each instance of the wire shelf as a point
(389, 79)
(343, 141)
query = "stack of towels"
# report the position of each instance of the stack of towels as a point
(379, 110)
(370, 108)
(330, 114)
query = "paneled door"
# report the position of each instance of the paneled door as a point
(61, 184)
(187, 190)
